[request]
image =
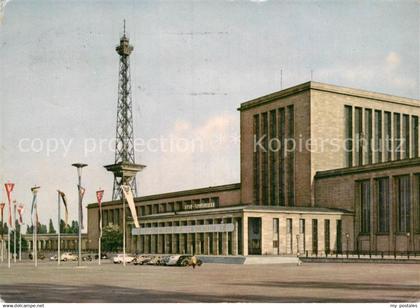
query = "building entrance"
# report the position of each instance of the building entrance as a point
(254, 235)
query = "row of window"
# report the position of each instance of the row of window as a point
(114, 215)
(402, 187)
(273, 165)
(374, 136)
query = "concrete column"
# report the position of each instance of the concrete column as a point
(333, 234)
(245, 234)
(206, 241)
(321, 236)
(308, 236)
(215, 241)
(235, 236)
(225, 242)
(174, 243)
(189, 236)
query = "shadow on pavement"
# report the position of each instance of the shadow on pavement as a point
(49, 293)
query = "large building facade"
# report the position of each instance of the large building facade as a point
(323, 169)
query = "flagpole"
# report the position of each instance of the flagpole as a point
(59, 231)
(79, 167)
(123, 228)
(2, 232)
(100, 236)
(20, 243)
(14, 232)
(8, 246)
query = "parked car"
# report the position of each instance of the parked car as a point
(120, 258)
(103, 256)
(185, 260)
(173, 260)
(140, 260)
(155, 260)
(164, 260)
(87, 258)
(54, 258)
(41, 256)
(68, 256)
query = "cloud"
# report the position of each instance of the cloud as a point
(203, 156)
(385, 72)
(393, 60)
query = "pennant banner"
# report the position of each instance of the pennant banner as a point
(130, 200)
(99, 196)
(9, 188)
(20, 212)
(66, 211)
(82, 193)
(34, 205)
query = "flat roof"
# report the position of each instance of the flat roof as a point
(181, 193)
(404, 163)
(312, 85)
(249, 208)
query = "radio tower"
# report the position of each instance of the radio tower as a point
(124, 168)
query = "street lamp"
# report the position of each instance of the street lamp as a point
(347, 244)
(79, 167)
(408, 243)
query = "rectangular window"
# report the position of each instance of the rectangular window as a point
(275, 226)
(256, 157)
(327, 235)
(415, 136)
(365, 206)
(417, 207)
(338, 237)
(378, 136)
(282, 167)
(382, 190)
(265, 159)
(368, 135)
(348, 115)
(388, 136)
(406, 136)
(272, 151)
(359, 136)
(215, 200)
(403, 203)
(291, 157)
(397, 135)
(314, 236)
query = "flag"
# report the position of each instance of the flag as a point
(34, 204)
(66, 213)
(20, 212)
(9, 188)
(1, 211)
(82, 193)
(99, 195)
(130, 200)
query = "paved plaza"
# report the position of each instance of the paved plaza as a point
(210, 283)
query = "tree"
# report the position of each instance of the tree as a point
(112, 238)
(12, 234)
(29, 229)
(3, 229)
(51, 229)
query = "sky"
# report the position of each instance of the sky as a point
(193, 64)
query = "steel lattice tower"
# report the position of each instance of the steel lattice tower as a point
(124, 146)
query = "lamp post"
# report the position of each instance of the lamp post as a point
(14, 231)
(408, 244)
(79, 167)
(347, 244)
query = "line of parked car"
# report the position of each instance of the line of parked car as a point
(69, 256)
(174, 260)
